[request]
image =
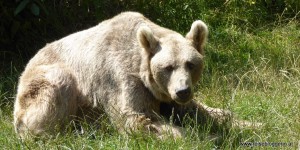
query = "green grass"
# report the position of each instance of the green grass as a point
(252, 71)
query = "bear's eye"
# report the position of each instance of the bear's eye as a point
(169, 68)
(190, 65)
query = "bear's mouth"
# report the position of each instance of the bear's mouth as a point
(182, 101)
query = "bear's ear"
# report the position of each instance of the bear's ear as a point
(198, 35)
(147, 40)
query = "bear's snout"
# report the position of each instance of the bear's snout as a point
(184, 94)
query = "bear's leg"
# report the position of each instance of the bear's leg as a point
(221, 118)
(215, 117)
(136, 110)
(46, 99)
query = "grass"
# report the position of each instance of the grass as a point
(254, 72)
(264, 87)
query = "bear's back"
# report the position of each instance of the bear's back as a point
(101, 57)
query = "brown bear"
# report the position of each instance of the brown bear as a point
(133, 69)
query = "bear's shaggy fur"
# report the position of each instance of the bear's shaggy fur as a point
(132, 68)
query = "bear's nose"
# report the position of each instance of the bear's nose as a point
(183, 93)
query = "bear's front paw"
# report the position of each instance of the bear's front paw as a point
(165, 131)
(137, 122)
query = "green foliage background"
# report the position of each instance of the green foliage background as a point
(252, 62)
(26, 25)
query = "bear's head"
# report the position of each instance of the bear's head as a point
(171, 64)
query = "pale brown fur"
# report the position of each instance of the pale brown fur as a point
(127, 65)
